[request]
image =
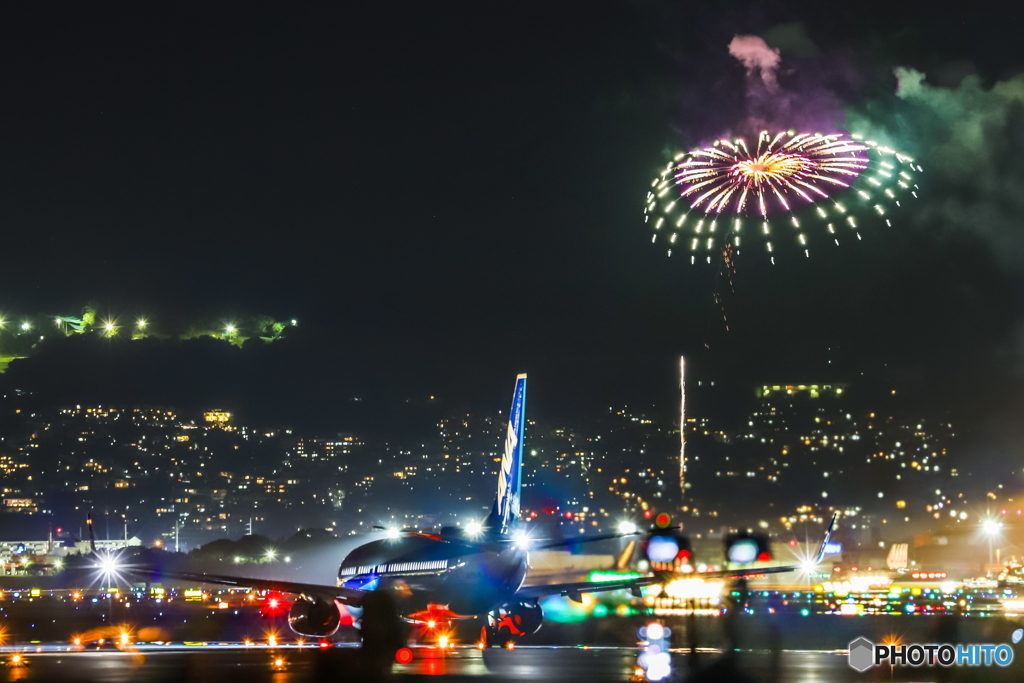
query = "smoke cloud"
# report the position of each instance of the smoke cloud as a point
(755, 54)
(780, 99)
(970, 141)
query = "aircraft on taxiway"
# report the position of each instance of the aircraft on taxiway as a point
(436, 579)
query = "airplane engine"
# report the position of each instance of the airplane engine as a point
(515, 619)
(315, 618)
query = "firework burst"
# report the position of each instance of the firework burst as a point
(712, 197)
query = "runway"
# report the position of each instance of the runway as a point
(230, 662)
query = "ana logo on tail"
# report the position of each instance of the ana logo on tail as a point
(505, 476)
(511, 460)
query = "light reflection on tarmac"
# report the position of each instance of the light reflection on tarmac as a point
(229, 662)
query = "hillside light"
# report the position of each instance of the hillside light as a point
(141, 323)
(230, 329)
(991, 529)
(294, 322)
(25, 326)
(271, 554)
(109, 327)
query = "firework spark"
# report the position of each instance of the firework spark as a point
(703, 197)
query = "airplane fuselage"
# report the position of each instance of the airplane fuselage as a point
(468, 579)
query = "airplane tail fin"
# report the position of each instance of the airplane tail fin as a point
(506, 503)
(824, 542)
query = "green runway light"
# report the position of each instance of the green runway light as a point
(607, 577)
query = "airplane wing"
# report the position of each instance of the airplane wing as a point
(349, 596)
(582, 539)
(574, 591)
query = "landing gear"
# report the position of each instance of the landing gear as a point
(510, 622)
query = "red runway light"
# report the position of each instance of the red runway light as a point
(403, 656)
(837, 569)
(568, 515)
(647, 514)
(324, 645)
(764, 557)
(792, 543)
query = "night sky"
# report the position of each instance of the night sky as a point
(445, 195)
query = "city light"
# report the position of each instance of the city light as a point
(25, 326)
(393, 533)
(473, 528)
(627, 528)
(271, 554)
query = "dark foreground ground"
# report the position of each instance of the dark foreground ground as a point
(205, 645)
(525, 663)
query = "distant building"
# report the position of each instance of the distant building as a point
(12, 552)
(27, 505)
(218, 417)
(813, 390)
(82, 547)
(344, 443)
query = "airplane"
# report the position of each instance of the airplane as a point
(437, 579)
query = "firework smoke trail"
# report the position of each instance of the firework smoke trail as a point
(785, 173)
